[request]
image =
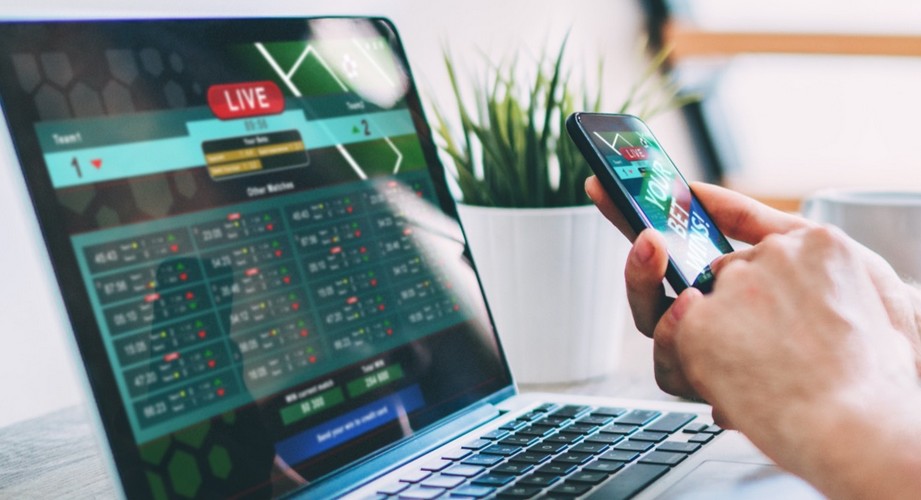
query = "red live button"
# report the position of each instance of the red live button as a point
(240, 100)
(633, 153)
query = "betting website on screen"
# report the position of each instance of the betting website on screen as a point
(664, 198)
(264, 253)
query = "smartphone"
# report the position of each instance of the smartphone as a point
(651, 193)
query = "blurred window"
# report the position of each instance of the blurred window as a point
(801, 95)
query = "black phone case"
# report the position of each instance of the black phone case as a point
(621, 198)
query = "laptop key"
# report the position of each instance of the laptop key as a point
(477, 444)
(633, 446)
(482, 459)
(592, 448)
(573, 458)
(609, 411)
(455, 454)
(492, 479)
(589, 477)
(420, 493)
(619, 429)
(678, 447)
(630, 481)
(463, 470)
(663, 458)
(539, 480)
(595, 420)
(519, 440)
(547, 447)
(670, 422)
(531, 415)
(513, 468)
(604, 466)
(620, 456)
(536, 430)
(530, 457)
(414, 477)
(571, 411)
(638, 417)
(701, 438)
(653, 437)
(564, 438)
(393, 489)
(436, 465)
(713, 429)
(581, 429)
(570, 489)
(501, 449)
(519, 492)
(554, 421)
(694, 428)
(444, 482)
(473, 491)
(514, 425)
(495, 434)
(557, 468)
(607, 439)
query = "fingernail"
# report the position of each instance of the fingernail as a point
(714, 266)
(585, 187)
(644, 250)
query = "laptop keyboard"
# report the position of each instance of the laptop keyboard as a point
(558, 451)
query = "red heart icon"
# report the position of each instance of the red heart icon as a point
(96, 162)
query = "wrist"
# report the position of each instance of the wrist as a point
(864, 443)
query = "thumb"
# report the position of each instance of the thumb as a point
(739, 255)
(668, 367)
(684, 301)
(666, 333)
(666, 336)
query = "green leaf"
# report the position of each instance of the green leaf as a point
(517, 127)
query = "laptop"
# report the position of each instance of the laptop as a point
(269, 288)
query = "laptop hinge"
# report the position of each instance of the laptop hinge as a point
(501, 395)
(357, 475)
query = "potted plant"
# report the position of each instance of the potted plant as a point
(550, 264)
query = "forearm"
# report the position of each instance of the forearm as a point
(864, 446)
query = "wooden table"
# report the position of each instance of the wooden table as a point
(56, 455)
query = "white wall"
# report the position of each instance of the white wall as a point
(36, 375)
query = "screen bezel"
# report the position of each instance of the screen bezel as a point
(580, 127)
(101, 378)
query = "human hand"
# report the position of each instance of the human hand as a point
(746, 220)
(840, 410)
(798, 347)
(738, 216)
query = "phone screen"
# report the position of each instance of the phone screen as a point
(660, 193)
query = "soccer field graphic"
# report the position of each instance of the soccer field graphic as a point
(254, 243)
(215, 247)
(362, 66)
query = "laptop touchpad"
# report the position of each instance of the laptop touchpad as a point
(720, 479)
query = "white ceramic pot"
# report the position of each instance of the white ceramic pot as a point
(554, 280)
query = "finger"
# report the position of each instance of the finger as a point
(720, 419)
(668, 369)
(643, 274)
(746, 254)
(605, 204)
(741, 217)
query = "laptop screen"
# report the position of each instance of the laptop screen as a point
(254, 241)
